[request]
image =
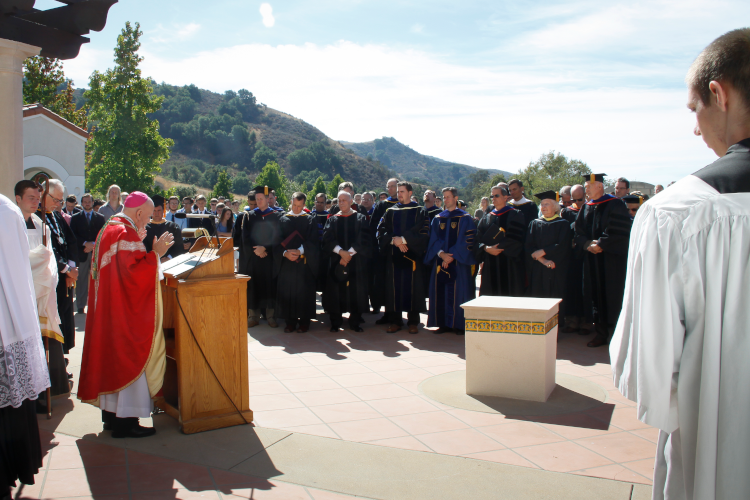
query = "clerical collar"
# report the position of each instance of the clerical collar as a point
(603, 199)
(549, 219)
(522, 201)
(503, 210)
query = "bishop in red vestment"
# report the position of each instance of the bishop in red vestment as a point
(124, 353)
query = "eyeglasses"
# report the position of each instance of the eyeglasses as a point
(496, 195)
(56, 200)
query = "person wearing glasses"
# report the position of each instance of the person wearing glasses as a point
(573, 296)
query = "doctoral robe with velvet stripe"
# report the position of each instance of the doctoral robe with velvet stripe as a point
(555, 238)
(452, 232)
(404, 282)
(607, 220)
(680, 347)
(502, 274)
(260, 228)
(350, 232)
(295, 281)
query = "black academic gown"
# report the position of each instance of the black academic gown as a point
(502, 274)
(573, 297)
(555, 238)
(157, 229)
(295, 281)
(431, 213)
(405, 289)
(377, 291)
(530, 211)
(260, 229)
(607, 220)
(320, 220)
(351, 231)
(64, 245)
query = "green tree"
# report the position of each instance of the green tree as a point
(183, 191)
(274, 177)
(44, 83)
(333, 186)
(223, 186)
(263, 155)
(551, 172)
(125, 147)
(241, 183)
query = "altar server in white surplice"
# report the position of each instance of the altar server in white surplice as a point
(682, 342)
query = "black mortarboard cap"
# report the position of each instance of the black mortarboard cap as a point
(158, 200)
(633, 198)
(548, 195)
(262, 190)
(594, 178)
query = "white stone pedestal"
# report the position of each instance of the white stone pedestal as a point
(12, 55)
(511, 347)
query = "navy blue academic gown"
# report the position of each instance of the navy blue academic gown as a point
(454, 233)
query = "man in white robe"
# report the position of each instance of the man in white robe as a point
(681, 345)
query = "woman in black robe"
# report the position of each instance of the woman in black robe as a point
(548, 246)
(502, 229)
(296, 267)
(346, 286)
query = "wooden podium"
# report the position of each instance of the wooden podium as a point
(205, 325)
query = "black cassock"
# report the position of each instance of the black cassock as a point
(607, 220)
(405, 289)
(555, 238)
(350, 231)
(156, 230)
(295, 281)
(377, 292)
(260, 229)
(573, 297)
(502, 274)
(64, 245)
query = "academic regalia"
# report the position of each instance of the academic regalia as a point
(555, 238)
(295, 281)
(357, 208)
(260, 228)
(347, 294)
(452, 232)
(405, 285)
(124, 356)
(44, 274)
(573, 295)
(607, 220)
(239, 244)
(320, 220)
(156, 229)
(377, 290)
(502, 274)
(431, 213)
(528, 208)
(680, 347)
(20, 445)
(64, 244)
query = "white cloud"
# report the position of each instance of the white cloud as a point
(267, 12)
(174, 33)
(482, 117)
(417, 29)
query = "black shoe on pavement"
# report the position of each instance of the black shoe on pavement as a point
(134, 432)
(383, 321)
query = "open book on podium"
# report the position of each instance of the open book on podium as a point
(205, 325)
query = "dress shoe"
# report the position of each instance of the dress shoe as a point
(80, 310)
(251, 323)
(413, 328)
(289, 329)
(382, 321)
(357, 329)
(597, 341)
(393, 329)
(272, 323)
(335, 329)
(303, 329)
(134, 432)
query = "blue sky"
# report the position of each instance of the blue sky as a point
(492, 84)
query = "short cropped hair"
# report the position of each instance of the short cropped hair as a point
(251, 195)
(346, 185)
(565, 190)
(726, 60)
(406, 185)
(321, 195)
(299, 196)
(214, 200)
(200, 197)
(71, 199)
(87, 195)
(515, 181)
(453, 190)
(22, 186)
(623, 179)
(98, 203)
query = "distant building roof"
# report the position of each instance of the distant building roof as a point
(38, 109)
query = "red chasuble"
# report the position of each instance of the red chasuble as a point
(124, 335)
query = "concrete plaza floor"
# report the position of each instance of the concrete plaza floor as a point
(341, 415)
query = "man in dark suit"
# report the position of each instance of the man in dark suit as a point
(71, 205)
(85, 225)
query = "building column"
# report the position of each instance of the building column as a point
(12, 55)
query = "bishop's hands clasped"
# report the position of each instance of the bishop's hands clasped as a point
(162, 244)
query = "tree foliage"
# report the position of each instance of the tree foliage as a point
(241, 183)
(317, 156)
(223, 186)
(263, 155)
(44, 83)
(274, 177)
(551, 172)
(333, 186)
(125, 147)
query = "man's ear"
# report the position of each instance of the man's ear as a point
(719, 92)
